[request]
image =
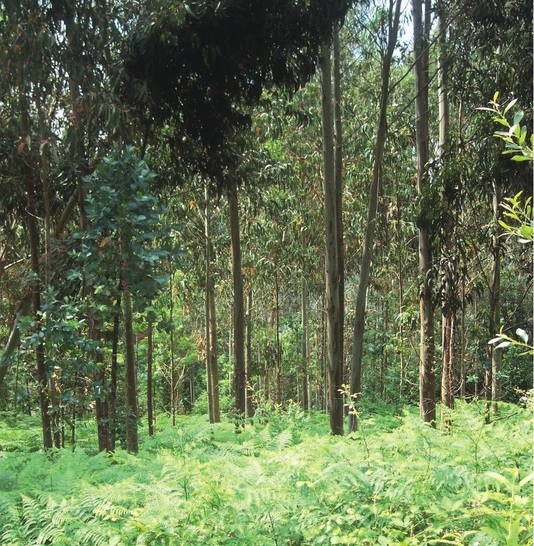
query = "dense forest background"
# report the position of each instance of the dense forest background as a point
(224, 208)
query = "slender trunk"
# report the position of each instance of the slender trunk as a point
(240, 378)
(334, 322)
(448, 251)
(365, 270)
(427, 396)
(248, 355)
(338, 185)
(173, 363)
(495, 303)
(400, 276)
(277, 354)
(114, 374)
(132, 441)
(214, 367)
(463, 343)
(149, 377)
(55, 413)
(305, 354)
(104, 432)
(34, 238)
(207, 307)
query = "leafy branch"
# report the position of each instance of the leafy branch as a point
(515, 135)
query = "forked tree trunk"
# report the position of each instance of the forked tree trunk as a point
(240, 379)
(367, 257)
(334, 308)
(427, 380)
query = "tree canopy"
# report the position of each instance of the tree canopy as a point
(200, 66)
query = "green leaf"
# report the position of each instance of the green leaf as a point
(511, 104)
(518, 117)
(520, 158)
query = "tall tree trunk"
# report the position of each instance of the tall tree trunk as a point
(338, 185)
(114, 374)
(248, 355)
(214, 367)
(55, 410)
(334, 321)
(240, 379)
(367, 257)
(448, 251)
(495, 303)
(34, 238)
(212, 370)
(277, 354)
(173, 389)
(305, 351)
(427, 380)
(400, 278)
(149, 377)
(132, 440)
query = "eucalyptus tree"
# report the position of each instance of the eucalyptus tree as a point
(421, 32)
(334, 265)
(393, 18)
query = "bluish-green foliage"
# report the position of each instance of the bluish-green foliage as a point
(282, 482)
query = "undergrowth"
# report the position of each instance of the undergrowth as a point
(283, 481)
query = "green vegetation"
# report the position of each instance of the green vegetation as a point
(283, 481)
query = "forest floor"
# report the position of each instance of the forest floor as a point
(283, 482)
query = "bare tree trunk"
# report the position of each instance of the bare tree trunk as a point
(114, 374)
(305, 354)
(448, 261)
(173, 360)
(149, 377)
(240, 378)
(214, 367)
(495, 304)
(248, 355)
(212, 370)
(132, 440)
(334, 322)
(427, 380)
(365, 270)
(278, 356)
(400, 276)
